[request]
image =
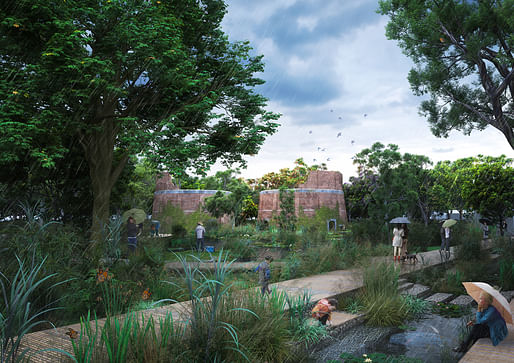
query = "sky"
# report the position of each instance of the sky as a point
(340, 86)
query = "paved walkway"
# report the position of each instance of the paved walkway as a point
(321, 286)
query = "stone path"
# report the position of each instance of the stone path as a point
(320, 286)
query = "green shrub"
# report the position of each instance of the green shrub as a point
(239, 249)
(504, 246)
(371, 231)
(383, 303)
(468, 239)
(421, 236)
(451, 310)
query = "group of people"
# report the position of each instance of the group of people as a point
(400, 241)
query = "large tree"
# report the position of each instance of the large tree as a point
(395, 182)
(489, 187)
(463, 51)
(122, 78)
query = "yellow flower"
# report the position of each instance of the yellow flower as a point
(14, 92)
(368, 360)
(158, 2)
(16, 25)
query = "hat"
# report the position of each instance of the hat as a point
(200, 223)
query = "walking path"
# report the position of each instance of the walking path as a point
(320, 286)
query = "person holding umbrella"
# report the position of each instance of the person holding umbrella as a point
(397, 242)
(446, 237)
(489, 322)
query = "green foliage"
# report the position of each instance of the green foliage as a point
(451, 310)
(398, 188)
(416, 308)
(489, 187)
(287, 178)
(239, 249)
(422, 236)
(286, 219)
(19, 313)
(383, 303)
(372, 231)
(174, 218)
(158, 94)
(461, 51)
(468, 238)
(504, 246)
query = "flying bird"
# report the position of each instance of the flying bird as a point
(339, 134)
(353, 142)
(310, 131)
(328, 159)
(331, 110)
(340, 118)
(324, 149)
(365, 115)
(319, 148)
(313, 159)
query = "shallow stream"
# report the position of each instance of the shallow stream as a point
(430, 339)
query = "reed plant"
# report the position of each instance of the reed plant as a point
(18, 315)
(383, 303)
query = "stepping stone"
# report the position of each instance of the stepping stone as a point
(405, 286)
(402, 281)
(418, 291)
(463, 300)
(439, 297)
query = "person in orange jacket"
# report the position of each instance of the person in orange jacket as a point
(323, 310)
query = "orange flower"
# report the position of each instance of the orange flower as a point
(441, 40)
(14, 92)
(73, 334)
(102, 275)
(16, 25)
(146, 294)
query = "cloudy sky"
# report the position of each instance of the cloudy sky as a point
(339, 84)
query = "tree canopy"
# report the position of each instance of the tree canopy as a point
(463, 54)
(122, 78)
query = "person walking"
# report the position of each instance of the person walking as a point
(445, 242)
(405, 240)
(264, 270)
(397, 242)
(132, 233)
(200, 236)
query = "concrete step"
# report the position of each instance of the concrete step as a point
(405, 286)
(418, 291)
(439, 297)
(463, 300)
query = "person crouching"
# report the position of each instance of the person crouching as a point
(322, 311)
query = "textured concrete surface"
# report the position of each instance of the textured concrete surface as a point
(439, 297)
(322, 188)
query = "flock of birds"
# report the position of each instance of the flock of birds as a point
(339, 134)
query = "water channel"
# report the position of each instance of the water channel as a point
(429, 339)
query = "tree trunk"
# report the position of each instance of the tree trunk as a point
(99, 150)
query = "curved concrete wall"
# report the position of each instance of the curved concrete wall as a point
(322, 189)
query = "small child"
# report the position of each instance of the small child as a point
(323, 310)
(264, 274)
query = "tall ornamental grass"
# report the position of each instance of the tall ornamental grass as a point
(18, 312)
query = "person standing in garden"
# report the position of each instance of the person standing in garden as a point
(264, 270)
(200, 236)
(397, 242)
(405, 240)
(132, 233)
(445, 240)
